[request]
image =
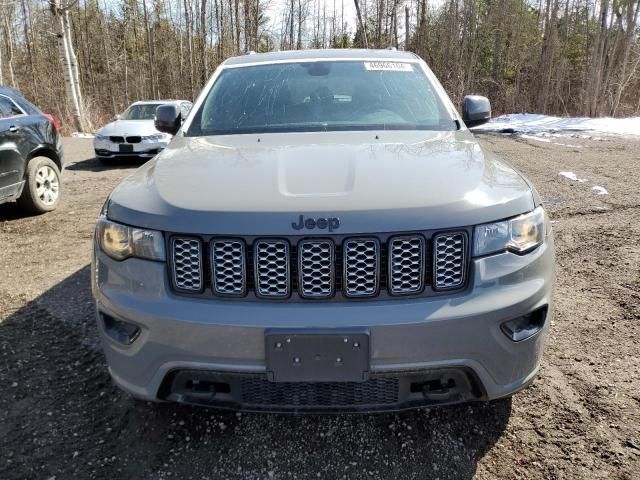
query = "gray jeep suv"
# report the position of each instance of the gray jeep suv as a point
(323, 233)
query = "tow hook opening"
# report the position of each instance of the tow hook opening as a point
(436, 389)
(526, 326)
(122, 332)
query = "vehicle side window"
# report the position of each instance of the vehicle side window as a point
(8, 108)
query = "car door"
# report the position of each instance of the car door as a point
(12, 147)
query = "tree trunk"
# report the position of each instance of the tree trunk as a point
(204, 74)
(74, 61)
(27, 39)
(150, 55)
(363, 31)
(299, 43)
(72, 88)
(189, 29)
(406, 28)
(8, 43)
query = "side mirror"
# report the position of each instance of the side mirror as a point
(476, 110)
(115, 118)
(168, 119)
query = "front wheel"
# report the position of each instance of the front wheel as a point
(41, 192)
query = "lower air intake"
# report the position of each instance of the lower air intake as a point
(378, 391)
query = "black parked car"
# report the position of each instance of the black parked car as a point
(30, 154)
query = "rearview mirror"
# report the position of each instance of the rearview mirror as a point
(168, 119)
(476, 110)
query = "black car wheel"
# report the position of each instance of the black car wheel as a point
(41, 192)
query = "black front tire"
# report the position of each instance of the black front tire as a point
(32, 199)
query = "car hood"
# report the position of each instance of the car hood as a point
(128, 128)
(373, 181)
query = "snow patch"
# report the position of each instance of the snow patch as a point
(572, 176)
(537, 139)
(600, 190)
(536, 124)
(82, 135)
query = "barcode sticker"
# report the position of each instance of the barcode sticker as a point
(388, 66)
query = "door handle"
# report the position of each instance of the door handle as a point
(14, 128)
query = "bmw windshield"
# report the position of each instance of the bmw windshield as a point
(143, 111)
(321, 96)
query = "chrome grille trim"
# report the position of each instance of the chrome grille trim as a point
(449, 260)
(406, 258)
(361, 266)
(186, 260)
(316, 268)
(272, 268)
(228, 267)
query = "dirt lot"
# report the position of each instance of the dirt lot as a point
(61, 417)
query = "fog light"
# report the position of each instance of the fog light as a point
(521, 328)
(122, 332)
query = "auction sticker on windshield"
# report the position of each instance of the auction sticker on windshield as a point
(389, 66)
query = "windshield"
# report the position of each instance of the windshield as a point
(321, 96)
(146, 111)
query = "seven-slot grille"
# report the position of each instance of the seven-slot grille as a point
(449, 260)
(187, 264)
(318, 268)
(406, 265)
(361, 265)
(228, 267)
(271, 258)
(315, 268)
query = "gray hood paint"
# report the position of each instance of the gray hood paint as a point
(373, 181)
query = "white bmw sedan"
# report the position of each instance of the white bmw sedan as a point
(133, 133)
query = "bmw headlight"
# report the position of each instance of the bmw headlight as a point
(101, 138)
(156, 137)
(121, 241)
(519, 235)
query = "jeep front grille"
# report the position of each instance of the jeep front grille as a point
(315, 268)
(228, 267)
(406, 264)
(361, 267)
(449, 260)
(320, 268)
(186, 253)
(272, 268)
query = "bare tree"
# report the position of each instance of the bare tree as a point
(69, 63)
(363, 29)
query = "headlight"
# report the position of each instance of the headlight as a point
(121, 241)
(520, 234)
(155, 137)
(101, 138)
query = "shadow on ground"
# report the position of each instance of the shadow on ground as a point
(61, 416)
(95, 165)
(11, 211)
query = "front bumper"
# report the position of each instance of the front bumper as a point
(412, 342)
(143, 149)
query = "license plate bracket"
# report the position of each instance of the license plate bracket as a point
(317, 355)
(125, 148)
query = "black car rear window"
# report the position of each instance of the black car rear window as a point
(23, 103)
(8, 108)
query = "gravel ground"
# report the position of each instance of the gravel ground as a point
(61, 417)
